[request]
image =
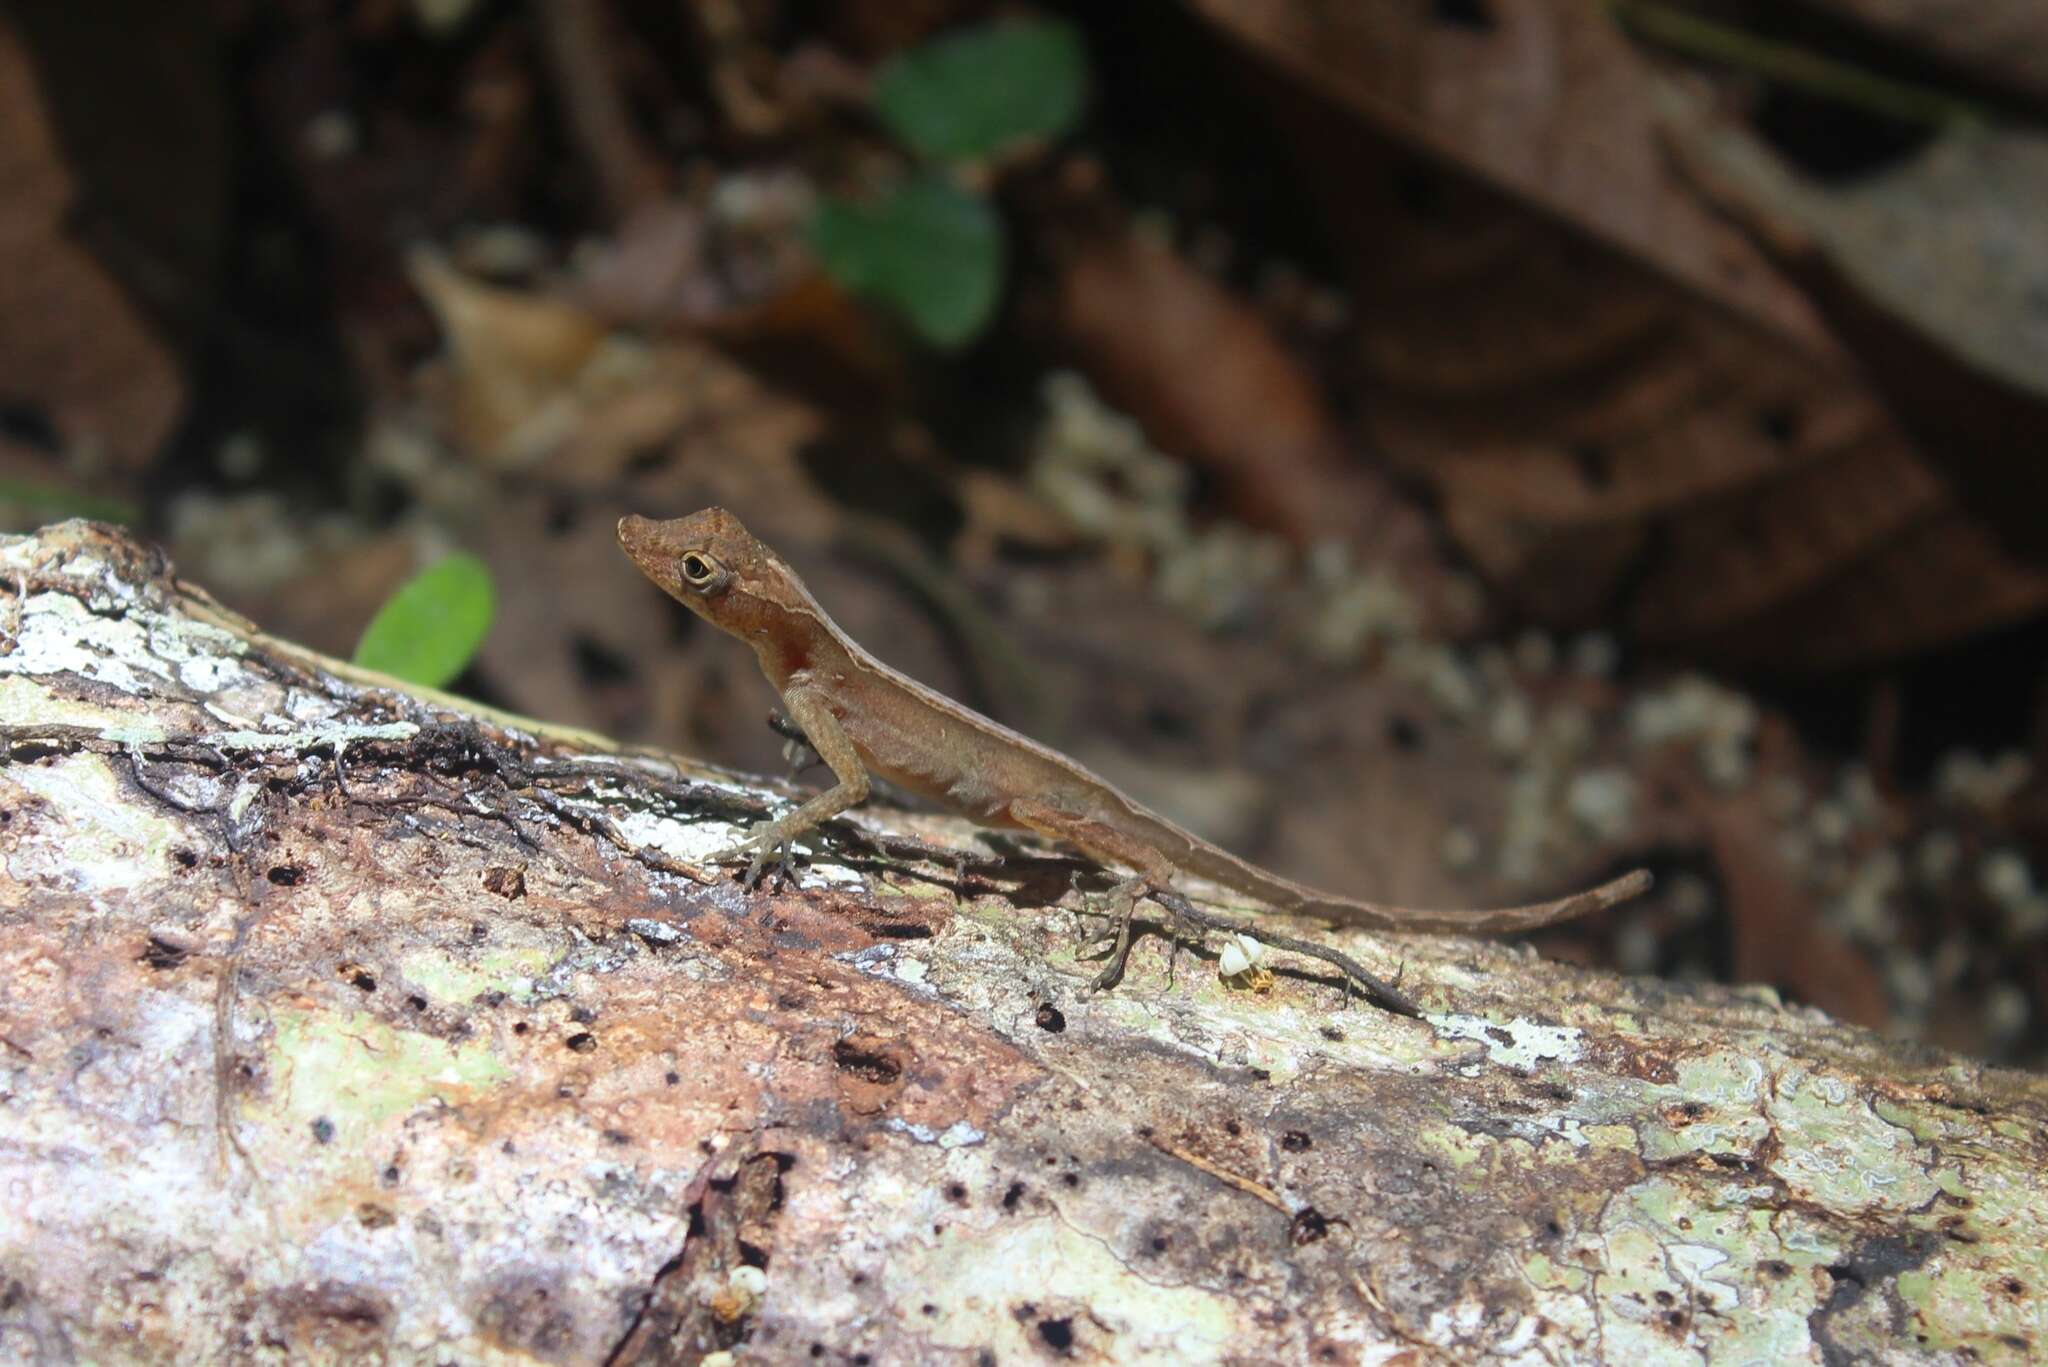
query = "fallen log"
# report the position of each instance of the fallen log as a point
(343, 1022)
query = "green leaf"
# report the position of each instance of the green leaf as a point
(928, 249)
(979, 90)
(428, 630)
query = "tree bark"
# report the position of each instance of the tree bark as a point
(341, 1022)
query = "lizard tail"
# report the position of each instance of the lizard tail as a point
(1484, 921)
(1146, 830)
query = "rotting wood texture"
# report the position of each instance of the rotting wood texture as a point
(341, 1024)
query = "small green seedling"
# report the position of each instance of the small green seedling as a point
(427, 632)
(974, 94)
(928, 248)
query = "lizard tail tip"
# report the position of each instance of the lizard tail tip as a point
(1399, 1003)
(1625, 888)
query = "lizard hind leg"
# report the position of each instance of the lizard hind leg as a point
(1154, 879)
(1381, 993)
(1123, 901)
(1108, 847)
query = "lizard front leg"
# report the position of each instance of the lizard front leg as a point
(824, 734)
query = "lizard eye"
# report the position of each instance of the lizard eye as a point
(698, 569)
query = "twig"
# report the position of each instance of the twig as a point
(1222, 1174)
(572, 34)
(1798, 67)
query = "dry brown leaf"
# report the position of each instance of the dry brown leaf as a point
(1785, 535)
(1935, 275)
(2005, 41)
(1548, 101)
(514, 362)
(1942, 577)
(1601, 440)
(1950, 241)
(579, 42)
(1753, 519)
(71, 342)
(1777, 937)
(1210, 380)
(1606, 445)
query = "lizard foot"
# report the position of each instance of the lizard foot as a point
(1375, 989)
(1124, 898)
(767, 848)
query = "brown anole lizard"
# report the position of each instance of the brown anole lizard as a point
(864, 718)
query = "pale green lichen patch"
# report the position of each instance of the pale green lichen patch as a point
(1923, 1123)
(108, 840)
(355, 1072)
(1465, 1155)
(1610, 1136)
(1840, 1152)
(1761, 1169)
(1985, 1289)
(1682, 1272)
(1990, 1313)
(1703, 1256)
(1638, 1295)
(510, 969)
(1678, 1267)
(1715, 1107)
(1545, 1274)
(25, 702)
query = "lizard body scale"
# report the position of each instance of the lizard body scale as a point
(862, 717)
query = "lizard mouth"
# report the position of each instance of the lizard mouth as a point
(640, 538)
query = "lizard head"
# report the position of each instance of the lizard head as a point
(712, 565)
